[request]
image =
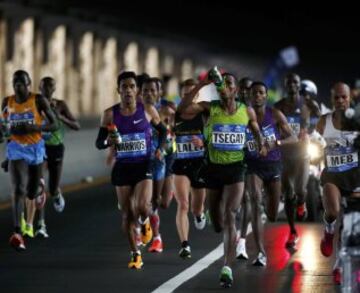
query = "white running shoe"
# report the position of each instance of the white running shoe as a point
(59, 202)
(200, 221)
(42, 232)
(261, 260)
(241, 249)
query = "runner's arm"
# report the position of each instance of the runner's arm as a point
(158, 125)
(255, 129)
(44, 107)
(102, 141)
(285, 128)
(67, 117)
(188, 106)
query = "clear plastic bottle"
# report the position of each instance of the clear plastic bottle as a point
(114, 135)
(216, 77)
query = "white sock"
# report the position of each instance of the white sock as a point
(242, 241)
(330, 227)
(157, 237)
(141, 222)
(137, 230)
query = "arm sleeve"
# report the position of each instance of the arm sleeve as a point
(101, 142)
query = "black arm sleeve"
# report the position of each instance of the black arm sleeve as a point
(161, 129)
(101, 139)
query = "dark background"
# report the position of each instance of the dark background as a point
(327, 37)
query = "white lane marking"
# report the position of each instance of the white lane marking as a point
(197, 267)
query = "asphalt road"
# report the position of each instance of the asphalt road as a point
(87, 252)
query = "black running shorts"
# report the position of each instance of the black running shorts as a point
(266, 171)
(190, 169)
(54, 153)
(130, 174)
(218, 175)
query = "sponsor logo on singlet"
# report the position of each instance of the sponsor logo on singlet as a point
(228, 137)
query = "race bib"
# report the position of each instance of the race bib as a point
(268, 133)
(185, 149)
(228, 137)
(250, 141)
(341, 158)
(21, 118)
(132, 146)
(294, 123)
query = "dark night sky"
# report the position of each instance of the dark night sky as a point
(328, 38)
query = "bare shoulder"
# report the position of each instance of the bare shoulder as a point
(279, 103)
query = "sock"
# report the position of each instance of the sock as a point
(137, 230)
(242, 241)
(41, 223)
(157, 237)
(185, 243)
(138, 252)
(329, 227)
(200, 218)
(141, 222)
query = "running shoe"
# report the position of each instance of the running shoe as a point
(59, 202)
(241, 250)
(337, 276)
(156, 245)
(326, 244)
(200, 221)
(146, 232)
(42, 232)
(135, 261)
(226, 277)
(185, 252)
(17, 242)
(292, 240)
(29, 231)
(260, 260)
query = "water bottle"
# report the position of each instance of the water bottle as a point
(216, 77)
(114, 135)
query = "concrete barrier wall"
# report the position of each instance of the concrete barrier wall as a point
(82, 159)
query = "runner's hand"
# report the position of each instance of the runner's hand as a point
(159, 154)
(197, 141)
(263, 151)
